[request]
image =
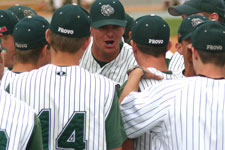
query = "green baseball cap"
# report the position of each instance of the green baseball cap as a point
(7, 21)
(209, 37)
(150, 30)
(107, 12)
(71, 21)
(188, 25)
(29, 33)
(195, 6)
(22, 11)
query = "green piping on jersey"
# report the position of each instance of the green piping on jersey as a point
(35, 142)
(167, 62)
(167, 72)
(115, 133)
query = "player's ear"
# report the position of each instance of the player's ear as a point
(170, 44)
(195, 55)
(179, 48)
(134, 46)
(47, 35)
(189, 53)
(214, 16)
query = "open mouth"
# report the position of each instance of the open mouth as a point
(109, 42)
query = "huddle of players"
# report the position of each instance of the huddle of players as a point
(80, 110)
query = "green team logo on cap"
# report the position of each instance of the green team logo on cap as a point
(196, 21)
(107, 10)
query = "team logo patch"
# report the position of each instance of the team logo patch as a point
(28, 13)
(107, 10)
(3, 29)
(196, 21)
(61, 73)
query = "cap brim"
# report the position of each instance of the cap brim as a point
(182, 9)
(105, 22)
(185, 37)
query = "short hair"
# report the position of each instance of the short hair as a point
(66, 44)
(152, 50)
(214, 58)
(28, 56)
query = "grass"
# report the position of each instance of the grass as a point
(174, 25)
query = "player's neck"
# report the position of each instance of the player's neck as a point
(60, 58)
(211, 71)
(189, 70)
(20, 67)
(158, 63)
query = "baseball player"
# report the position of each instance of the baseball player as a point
(149, 51)
(185, 31)
(32, 49)
(187, 113)
(77, 109)
(19, 126)
(107, 55)
(214, 10)
(7, 22)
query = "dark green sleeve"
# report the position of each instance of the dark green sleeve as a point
(35, 142)
(168, 62)
(115, 133)
(120, 89)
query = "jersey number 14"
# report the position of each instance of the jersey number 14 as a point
(72, 134)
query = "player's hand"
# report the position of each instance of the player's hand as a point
(150, 75)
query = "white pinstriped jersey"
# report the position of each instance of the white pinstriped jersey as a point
(189, 113)
(169, 54)
(4, 71)
(16, 122)
(114, 70)
(149, 139)
(176, 62)
(7, 77)
(76, 103)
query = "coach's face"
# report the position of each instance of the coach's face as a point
(8, 43)
(106, 39)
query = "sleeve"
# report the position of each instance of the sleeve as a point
(115, 133)
(143, 111)
(35, 142)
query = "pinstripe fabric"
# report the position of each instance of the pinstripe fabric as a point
(149, 140)
(63, 91)
(16, 120)
(189, 113)
(176, 62)
(114, 70)
(7, 77)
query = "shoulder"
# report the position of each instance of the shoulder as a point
(127, 47)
